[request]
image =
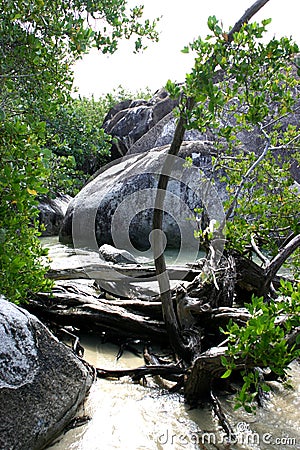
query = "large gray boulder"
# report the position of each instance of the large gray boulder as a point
(52, 212)
(129, 120)
(42, 382)
(116, 207)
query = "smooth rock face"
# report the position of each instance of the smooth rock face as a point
(119, 201)
(128, 121)
(116, 207)
(42, 382)
(115, 255)
(52, 213)
(18, 362)
(162, 134)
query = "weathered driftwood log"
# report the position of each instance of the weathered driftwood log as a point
(140, 372)
(78, 304)
(208, 367)
(204, 369)
(238, 275)
(109, 272)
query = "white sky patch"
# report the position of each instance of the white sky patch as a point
(182, 21)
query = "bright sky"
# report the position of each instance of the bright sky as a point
(182, 21)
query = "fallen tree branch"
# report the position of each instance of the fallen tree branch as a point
(81, 307)
(221, 416)
(140, 372)
(105, 272)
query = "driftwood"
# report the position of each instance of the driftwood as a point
(78, 304)
(204, 370)
(108, 272)
(202, 306)
(140, 372)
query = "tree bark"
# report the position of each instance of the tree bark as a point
(246, 17)
(172, 326)
(276, 263)
(78, 304)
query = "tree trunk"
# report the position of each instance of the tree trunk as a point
(178, 341)
(208, 367)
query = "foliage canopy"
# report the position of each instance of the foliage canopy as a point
(39, 42)
(76, 141)
(248, 91)
(241, 87)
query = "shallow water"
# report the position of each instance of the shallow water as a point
(106, 274)
(129, 416)
(58, 252)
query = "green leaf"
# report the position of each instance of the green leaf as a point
(185, 49)
(248, 409)
(266, 21)
(2, 114)
(218, 30)
(211, 22)
(224, 361)
(227, 373)
(173, 89)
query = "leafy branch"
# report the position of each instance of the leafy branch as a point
(265, 341)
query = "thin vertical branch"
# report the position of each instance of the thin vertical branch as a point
(171, 322)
